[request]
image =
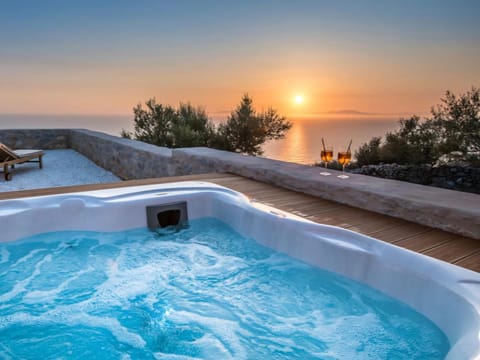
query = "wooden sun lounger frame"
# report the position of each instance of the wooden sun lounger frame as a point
(19, 159)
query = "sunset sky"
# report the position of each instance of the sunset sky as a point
(103, 57)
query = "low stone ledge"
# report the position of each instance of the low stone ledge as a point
(128, 159)
(439, 208)
(44, 139)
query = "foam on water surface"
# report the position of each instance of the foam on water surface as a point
(201, 293)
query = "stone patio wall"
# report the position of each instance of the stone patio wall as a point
(128, 159)
(44, 139)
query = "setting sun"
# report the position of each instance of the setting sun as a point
(298, 99)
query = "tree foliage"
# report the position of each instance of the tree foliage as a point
(164, 125)
(192, 127)
(460, 117)
(153, 124)
(245, 130)
(454, 126)
(369, 153)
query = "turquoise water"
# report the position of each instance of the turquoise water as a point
(204, 292)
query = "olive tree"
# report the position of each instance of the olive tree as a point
(163, 125)
(454, 127)
(246, 131)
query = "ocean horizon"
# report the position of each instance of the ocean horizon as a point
(302, 143)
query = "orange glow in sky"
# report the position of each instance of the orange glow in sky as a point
(305, 58)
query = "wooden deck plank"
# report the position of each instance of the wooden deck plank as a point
(367, 222)
(426, 241)
(471, 262)
(309, 210)
(455, 249)
(330, 221)
(360, 220)
(308, 206)
(449, 247)
(400, 232)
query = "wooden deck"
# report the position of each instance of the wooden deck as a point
(442, 245)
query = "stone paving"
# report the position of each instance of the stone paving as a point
(60, 168)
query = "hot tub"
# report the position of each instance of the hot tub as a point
(447, 295)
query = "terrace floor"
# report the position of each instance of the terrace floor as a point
(455, 249)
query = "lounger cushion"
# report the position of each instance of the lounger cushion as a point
(22, 153)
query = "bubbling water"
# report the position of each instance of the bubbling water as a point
(201, 293)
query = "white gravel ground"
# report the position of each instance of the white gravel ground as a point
(60, 168)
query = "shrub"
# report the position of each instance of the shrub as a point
(154, 123)
(192, 127)
(369, 153)
(460, 119)
(453, 127)
(164, 125)
(245, 131)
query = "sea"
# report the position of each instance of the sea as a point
(302, 144)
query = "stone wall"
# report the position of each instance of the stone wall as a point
(43, 139)
(128, 159)
(454, 177)
(453, 211)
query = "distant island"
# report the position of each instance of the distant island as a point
(349, 112)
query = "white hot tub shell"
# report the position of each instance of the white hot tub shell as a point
(446, 294)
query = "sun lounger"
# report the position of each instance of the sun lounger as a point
(9, 158)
